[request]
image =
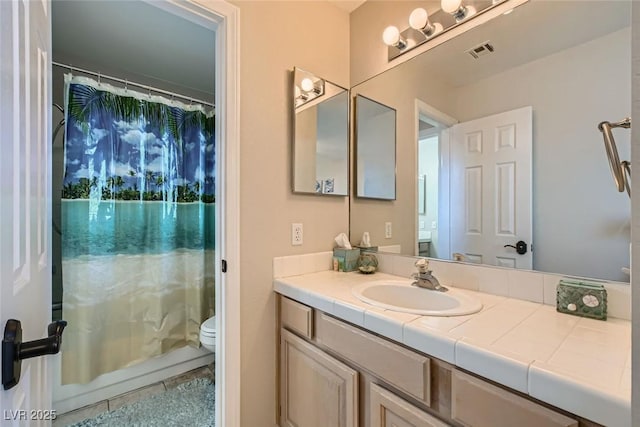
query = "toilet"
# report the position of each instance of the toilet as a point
(208, 334)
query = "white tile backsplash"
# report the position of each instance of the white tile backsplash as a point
(385, 263)
(444, 271)
(526, 285)
(404, 266)
(466, 277)
(493, 281)
(550, 288)
(295, 265)
(518, 284)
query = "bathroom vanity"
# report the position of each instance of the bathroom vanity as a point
(347, 363)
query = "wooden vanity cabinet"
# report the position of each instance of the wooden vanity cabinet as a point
(333, 374)
(316, 390)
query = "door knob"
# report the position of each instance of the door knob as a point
(14, 350)
(520, 247)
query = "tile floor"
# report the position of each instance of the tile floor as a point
(132, 396)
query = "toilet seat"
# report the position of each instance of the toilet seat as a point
(208, 334)
(208, 327)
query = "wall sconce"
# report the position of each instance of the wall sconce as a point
(424, 26)
(306, 87)
(457, 9)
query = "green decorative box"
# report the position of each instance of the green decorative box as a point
(347, 259)
(582, 298)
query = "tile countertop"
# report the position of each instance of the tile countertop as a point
(580, 365)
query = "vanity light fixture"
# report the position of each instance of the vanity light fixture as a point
(419, 20)
(391, 37)
(457, 9)
(307, 87)
(425, 26)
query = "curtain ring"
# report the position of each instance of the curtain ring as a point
(126, 85)
(99, 77)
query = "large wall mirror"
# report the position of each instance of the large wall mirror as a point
(504, 147)
(320, 136)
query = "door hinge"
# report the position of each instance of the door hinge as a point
(224, 265)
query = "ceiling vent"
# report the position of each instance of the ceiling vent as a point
(481, 50)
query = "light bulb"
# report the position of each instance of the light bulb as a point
(418, 19)
(391, 36)
(306, 84)
(451, 6)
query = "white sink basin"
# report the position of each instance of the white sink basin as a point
(401, 296)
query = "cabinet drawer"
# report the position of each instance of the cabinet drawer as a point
(478, 403)
(387, 409)
(296, 317)
(404, 369)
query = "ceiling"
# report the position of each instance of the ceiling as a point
(134, 39)
(348, 5)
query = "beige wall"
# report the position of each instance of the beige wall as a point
(369, 53)
(275, 37)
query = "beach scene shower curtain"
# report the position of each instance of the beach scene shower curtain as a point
(138, 227)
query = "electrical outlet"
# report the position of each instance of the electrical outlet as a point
(434, 225)
(387, 230)
(421, 223)
(296, 234)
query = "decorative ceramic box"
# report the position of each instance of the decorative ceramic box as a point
(582, 298)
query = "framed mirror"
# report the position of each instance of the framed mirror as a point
(375, 136)
(570, 77)
(320, 136)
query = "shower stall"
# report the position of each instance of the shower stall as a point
(134, 184)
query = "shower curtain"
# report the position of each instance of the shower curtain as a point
(137, 226)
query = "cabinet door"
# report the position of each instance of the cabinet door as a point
(476, 403)
(316, 390)
(388, 410)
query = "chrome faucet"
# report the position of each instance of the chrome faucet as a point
(424, 278)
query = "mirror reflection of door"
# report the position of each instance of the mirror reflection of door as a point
(491, 188)
(433, 181)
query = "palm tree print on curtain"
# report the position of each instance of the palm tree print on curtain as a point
(137, 226)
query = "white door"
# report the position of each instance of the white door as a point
(25, 198)
(491, 188)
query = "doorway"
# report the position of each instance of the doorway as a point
(119, 54)
(432, 181)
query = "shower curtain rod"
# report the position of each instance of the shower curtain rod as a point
(127, 82)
